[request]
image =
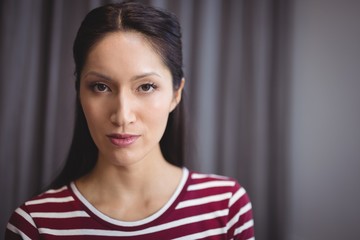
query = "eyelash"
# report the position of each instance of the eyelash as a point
(151, 85)
(95, 87)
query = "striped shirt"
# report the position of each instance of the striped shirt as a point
(202, 207)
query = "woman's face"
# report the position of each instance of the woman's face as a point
(127, 94)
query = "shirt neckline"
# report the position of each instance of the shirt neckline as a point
(179, 188)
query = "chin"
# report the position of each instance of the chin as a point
(123, 161)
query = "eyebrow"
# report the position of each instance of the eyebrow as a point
(145, 75)
(98, 75)
(107, 78)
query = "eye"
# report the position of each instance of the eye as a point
(100, 87)
(147, 87)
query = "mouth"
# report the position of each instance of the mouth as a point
(122, 140)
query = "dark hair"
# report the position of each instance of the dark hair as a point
(162, 30)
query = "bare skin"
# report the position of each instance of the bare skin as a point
(126, 89)
(130, 194)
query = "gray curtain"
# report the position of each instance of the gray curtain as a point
(235, 61)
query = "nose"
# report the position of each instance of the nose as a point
(122, 113)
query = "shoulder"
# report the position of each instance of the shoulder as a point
(199, 181)
(46, 200)
(215, 188)
(23, 221)
(224, 194)
(52, 199)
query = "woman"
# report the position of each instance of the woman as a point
(124, 176)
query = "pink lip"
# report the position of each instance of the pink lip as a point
(122, 140)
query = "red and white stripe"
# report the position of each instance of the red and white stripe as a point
(203, 206)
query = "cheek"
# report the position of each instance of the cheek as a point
(157, 112)
(93, 113)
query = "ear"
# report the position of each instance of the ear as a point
(177, 95)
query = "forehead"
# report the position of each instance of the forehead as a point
(126, 52)
(122, 42)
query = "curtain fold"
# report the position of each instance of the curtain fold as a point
(235, 61)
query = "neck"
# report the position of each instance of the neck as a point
(131, 192)
(136, 179)
(131, 178)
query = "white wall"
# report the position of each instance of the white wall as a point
(325, 126)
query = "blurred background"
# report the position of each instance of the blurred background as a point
(273, 95)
